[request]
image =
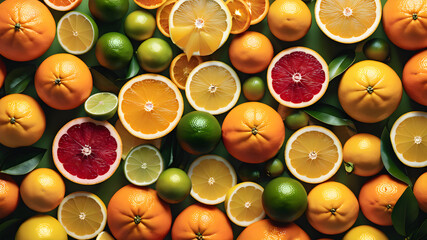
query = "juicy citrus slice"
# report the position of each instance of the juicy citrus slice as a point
(104, 236)
(77, 32)
(409, 138)
(211, 178)
(241, 15)
(199, 27)
(150, 106)
(181, 67)
(149, 4)
(61, 5)
(313, 154)
(297, 77)
(83, 215)
(213, 87)
(143, 165)
(348, 21)
(101, 106)
(162, 17)
(243, 204)
(259, 9)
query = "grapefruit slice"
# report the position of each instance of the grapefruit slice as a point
(297, 77)
(86, 151)
(61, 5)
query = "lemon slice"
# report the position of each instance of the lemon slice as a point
(211, 178)
(104, 236)
(243, 204)
(313, 154)
(409, 138)
(143, 165)
(101, 106)
(83, 215)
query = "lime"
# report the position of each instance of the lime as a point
(108, 10)
(154, 55)
(198, 132)
(113, 50)
(143, 165)
(377, 49)
(248, 172)
(297, 120)
(173, 185)
(254, 88)
(140, 25)
(284, 199)
(101, 106)
(274, 168)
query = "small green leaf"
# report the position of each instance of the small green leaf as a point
(168, 149)
(405, 213)
(103, 80)
(133, 68)
(19, 78)
(329, 114)
(9, 225)
(340, 64)
(421, 232)
(20, 161)
(349, 167)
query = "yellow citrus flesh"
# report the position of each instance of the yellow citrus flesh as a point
(241, 14)
(162, 17)
(181, 68)
(76, 33)
(258, 9)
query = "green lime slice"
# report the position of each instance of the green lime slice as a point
(101, 106)
(143, 165)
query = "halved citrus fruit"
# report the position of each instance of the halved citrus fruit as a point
(348, 21)
(259, 9)
(104, 236)
(86, 151)
(181, 67)
(241, 15)
(213, 87)
(62, 5)
(149, 4)
(297, 77)
(199, 27)
(143, 165)
(409, 138)
(211, 178)
(162, 17)
(101, 106)
(313, 154)
(150, 106)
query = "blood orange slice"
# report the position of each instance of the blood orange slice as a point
(297, 77)
(86, 151)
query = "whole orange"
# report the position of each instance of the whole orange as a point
(22, 120)
(378, 196)
(405, 23)
(9, 195)
(414, 78)
(42, 190)
(266, 229)
(63, 81)
(420, 192)
(332, 208)
(138, 213)
(250, 52)
(27, 29)
(3, 72)
(253, 132)
(200, 221)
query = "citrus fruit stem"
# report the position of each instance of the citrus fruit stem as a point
(17, 26)
(370, 89)
(414, 16)
(12, 120)
(333, 211)
(349, 167)
(254, 131)
(389, 206)
(137, 219)
(199, 236)
(57, 81)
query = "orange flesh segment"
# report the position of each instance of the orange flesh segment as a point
(182, 69)
(163, 17)
(241, 15)
(258, 9)
(409, 132)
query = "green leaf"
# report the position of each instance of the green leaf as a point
(19, 78)
(133, 68)
(20, 161)
(9, 225)
(340, 64)
(390, 161)
(103, 80)
(421, 232)
(329, 114)
(405, 213)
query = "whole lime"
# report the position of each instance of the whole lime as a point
(377, 49)
(254, 88)
(274, 168)
(284, 199)
(41, 227)
(249, 172)
(297, 120)
(154, 55)
(113, 50)
(198, 132)
(108, 10)
(140, 25)
(173, 185)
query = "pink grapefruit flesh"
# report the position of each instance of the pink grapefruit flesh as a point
(86, 151)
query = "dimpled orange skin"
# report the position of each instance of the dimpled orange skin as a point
(253, 132)
(378, 196)
(420, 191)
(414, 77)
(9, 195)
(267, 230)
(202, 221)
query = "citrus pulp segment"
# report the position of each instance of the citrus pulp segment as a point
(61, 5)
(241, 15)
(149, 4)
(181, 67)
(258, 9)
(313, 154)
(213, 87)
(162, 17)
(143, 165)
(297, 77)
(153, 113)
(104, 236)
(101, 106)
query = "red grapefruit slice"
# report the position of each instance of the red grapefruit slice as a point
(297, 77)
(86, 151)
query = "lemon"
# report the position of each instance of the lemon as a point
(41, 227)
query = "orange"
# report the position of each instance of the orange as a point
(63, 5)
(181, 67)
(138, 213)
(149, 4)
(253, 132)
(332, 208)
(289, 20)
(27, 28)
(9, 195)
(267, 229)
(259, 9)
(414, 77)
(420, 191)
(405, 23)
(200, 221)
(250, 52)
(3, 72)
(22, 120)
(241, 15)
(378, 196)
(364, 232)
(63, 81)
(162, 17)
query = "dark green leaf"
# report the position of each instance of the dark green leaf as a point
(20, 161)
(133, 68)
(9, 225)
(329, 114)
(340, 64)
(421, 232)
(168, 149)
(103, 80)
(390, 161)
(405, 212)
(19, 78)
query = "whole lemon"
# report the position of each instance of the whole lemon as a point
(41, 227)
(364, 232)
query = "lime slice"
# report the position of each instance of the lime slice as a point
(77, 32)
(143, 165)
(101, 106)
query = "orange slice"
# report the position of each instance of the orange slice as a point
(259, 9)
(149, 4)
(63, 5)
(181, 67)
(162, 17)
(241, 15)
